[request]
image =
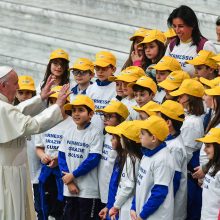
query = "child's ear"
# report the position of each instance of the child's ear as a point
(113, 69)
(91, 114)
(169, 122)
(154, 138)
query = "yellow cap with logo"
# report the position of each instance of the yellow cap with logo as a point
(213, 91)
(190, 87)
(211, 83)
(145, 82)
(115, 107)
(213, 136)
(167, 63)
(153, 35)
(156, 126)
(170, 33)
(105, 58)
(56, 90)
(81, 100)
(26, 83)
(147, 108)
(141, 32)
(204, 58)
(59, 53)
(83, 64)
(126, 128)
(174, 80)
(130, 74)
(171, 109)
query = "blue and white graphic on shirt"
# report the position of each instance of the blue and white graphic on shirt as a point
(52, 138)
(211, 196)
(105, 167)
(101, 95)
(77, 145)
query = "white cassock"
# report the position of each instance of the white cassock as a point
(16, 123)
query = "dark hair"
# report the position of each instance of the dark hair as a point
(137, 88)
(133, 150)
(217, 21)
(66, 74)
(16, 101)
(196, 106)
(150, 134)
(190, 19)
(215, 162)
(176, 124)
(216, 120)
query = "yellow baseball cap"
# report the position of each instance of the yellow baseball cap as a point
(81, 100)
(216, 58)
(190, 87)
(26, 83)
(167, 63)
(104, 58)
(204, 58)
(57, 89)
(59, 53)
(171, 109)
(174, 80)
(141, 32)
(83, 64)
(213, 136)
(170, 33)
(213, 91)
(145, 82)
(130, 74)
(126, 128)
(115, 107)
(211, 83)
(147, 108)
(155, 125)
(153, 35)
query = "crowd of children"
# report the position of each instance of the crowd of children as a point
(140, 144)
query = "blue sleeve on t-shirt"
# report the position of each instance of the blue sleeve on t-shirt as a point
(62, 162)
(176, 181)
(133, 204)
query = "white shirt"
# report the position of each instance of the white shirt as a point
(129, 103)
(101, 95)
(51, 139)
(186, 51)
(77, 144)
(159, 96)
(126, 188)
(105, 167)
(211, 196)
(157, 169)
(192, 129)
(178, 153)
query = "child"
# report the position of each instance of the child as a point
(190, 95)
(144, 90)
(129, 75)
(50, 179)
(169, 34)
(102, 91)
(204, 65)
(173, 82)
(131, 143)
(136, 51)
(163, 68)
(154, 188)
(26, 91)
(147, 110)
(79, 156)
(113, 114)
(154, 49)
(58, 67)
(83, 72)
(211, 185)
(173, 113)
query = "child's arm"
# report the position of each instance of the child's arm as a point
(62, 162)
(133, 210)
(176, 181)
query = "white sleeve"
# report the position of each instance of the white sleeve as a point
(127, 183)
(167, 53)
(97, 143)
(209, 46)
(178, 158)
(38, 140)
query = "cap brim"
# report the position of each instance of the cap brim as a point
(27, 88)
(168, 86)
(158, 67)
(113, 130)
(112, 78)
(177, 93)
(101, 63)
(205, 82)
(194, 62)
(210, 92)
(208, 139)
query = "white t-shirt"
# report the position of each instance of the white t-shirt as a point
(186, 51)
(52, 138)
(126, 188)
(129, 103)
(101, 95)
(211, 197)
(157, 169)
(192, 129)
(77, 144)
(105, 167)
(159, 96)
(178, 153)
